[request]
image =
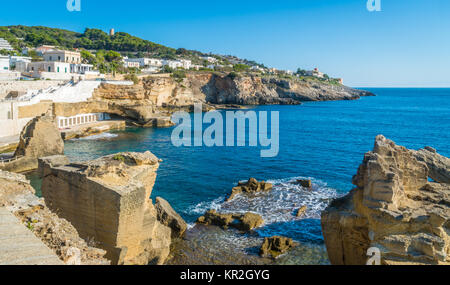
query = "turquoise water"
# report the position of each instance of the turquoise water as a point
(325, 141)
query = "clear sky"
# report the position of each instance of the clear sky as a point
(406, 44)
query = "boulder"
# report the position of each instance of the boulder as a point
(438, 165)
(301, 211)
(168, 217)
(393, 209)
(276, 246)
(40, 138)
(306, 183)
(243, 222)
(250, 187)
(108, 200)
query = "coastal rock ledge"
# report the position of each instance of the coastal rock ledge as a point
(108, 200)
(393, 208)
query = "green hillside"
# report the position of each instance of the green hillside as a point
(91, 39)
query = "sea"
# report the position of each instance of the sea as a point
(321, 141)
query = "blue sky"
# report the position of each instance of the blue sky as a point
(406, 44)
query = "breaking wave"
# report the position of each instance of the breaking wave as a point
(102, 136)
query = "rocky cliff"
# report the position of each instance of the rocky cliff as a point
(107, 200)
(154, 98)
(17, 196)
(394, 208)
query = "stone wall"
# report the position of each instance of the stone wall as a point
(24, 86)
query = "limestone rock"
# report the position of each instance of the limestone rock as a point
(438, 165)
(40, 138)
(301, 211)
(168, 217)
(250, 187)
(275, 246)
(306, 183)
(108, 199)
(17, 195)
(243, 222)
(393, 208)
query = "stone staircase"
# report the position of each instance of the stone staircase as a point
(19, 246)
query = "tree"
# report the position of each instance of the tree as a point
(301, 72)
(240, 67)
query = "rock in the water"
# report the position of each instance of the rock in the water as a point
(241, 222)
(40, 138)
(438, 165)
(168, 217)
(301, 211)
(108, 200)
(393, 208)
(252, 186)
(275, 246)
(305, 183)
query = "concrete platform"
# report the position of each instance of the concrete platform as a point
(19, 246)
(92, 129)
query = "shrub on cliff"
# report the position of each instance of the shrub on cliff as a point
(132, 77)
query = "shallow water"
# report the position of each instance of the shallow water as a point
(322, 140)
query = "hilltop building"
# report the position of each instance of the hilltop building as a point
(315, 73)
(4, 44)
(111, 32)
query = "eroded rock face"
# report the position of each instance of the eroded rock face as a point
(168, 217)
(276, 246)
(108, 200)
(243, 222)
(438, 165)
(250, 187)
(39, 138)
(393, 208)
(17, 195)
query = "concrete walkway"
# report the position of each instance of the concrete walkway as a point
(19, 246)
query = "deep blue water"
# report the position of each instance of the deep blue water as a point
(322, 140)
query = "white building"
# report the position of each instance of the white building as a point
(175, 64)
(4, 44)
(210, 59)
(315, 73)
(14, 59)
(131, 64)
(145, 62)
(187, 64)
(4, 63)
(73, 57)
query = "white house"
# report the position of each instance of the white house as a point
(143, 62)
(315, 73)
(4, 44)
(173, 63)
(4, 63)
(210, 59)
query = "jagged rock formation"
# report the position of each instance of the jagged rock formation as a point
(168, 217)
(250, 187)
(438, 165)
(17, 195)
(39, 138)
(301, 211)
(243, 222)
(108, 199)
(276, 246)
(393, 208)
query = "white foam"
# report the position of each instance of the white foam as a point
(278, 205)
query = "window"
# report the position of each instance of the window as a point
(49, 69)
(50, 58)
(65, 70)
(58, 69)
(59, 58)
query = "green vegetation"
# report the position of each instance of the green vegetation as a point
(132, 77)
(240, 67)
(179, 75)
(119, 157)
